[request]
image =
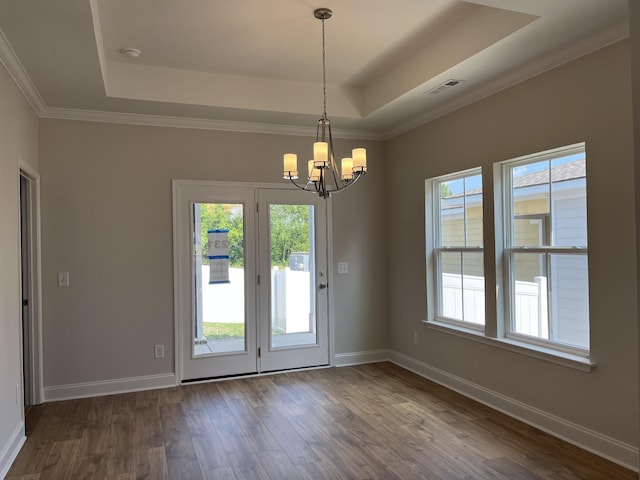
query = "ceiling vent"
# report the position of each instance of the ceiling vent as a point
(443, 87)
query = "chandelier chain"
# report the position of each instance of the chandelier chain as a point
(324, 75)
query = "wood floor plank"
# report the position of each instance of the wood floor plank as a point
(206, 442)
(60, 461)
(375, 421)
(223, 473)
(151, 464)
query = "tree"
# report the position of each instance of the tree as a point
(289, 232)
(445, 191)
(223, 215)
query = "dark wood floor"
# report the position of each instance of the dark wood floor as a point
(372, 421)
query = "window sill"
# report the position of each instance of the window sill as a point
(548, 355)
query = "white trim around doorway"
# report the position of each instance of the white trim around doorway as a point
(178, 246)
(36, 374)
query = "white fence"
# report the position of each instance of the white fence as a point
(291, 306)
(530, 302)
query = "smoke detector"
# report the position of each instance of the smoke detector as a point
(131, 52)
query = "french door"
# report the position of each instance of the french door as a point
(250, 279)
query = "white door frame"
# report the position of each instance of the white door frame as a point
(35, 375)
(182, 292)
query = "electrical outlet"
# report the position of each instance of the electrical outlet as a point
(159, 351)
(18, 394)
(416, 338)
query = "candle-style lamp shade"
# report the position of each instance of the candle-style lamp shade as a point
(290, 166)
(321, 154)
(359, 160)
(347, 169)
(314, 172)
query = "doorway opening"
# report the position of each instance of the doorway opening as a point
(30, 288)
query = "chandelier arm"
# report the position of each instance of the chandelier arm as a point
(344, 186)
(299, 186)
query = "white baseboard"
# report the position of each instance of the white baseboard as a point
(108, 387)
(10, 450)
(359, 358)
(607, 447)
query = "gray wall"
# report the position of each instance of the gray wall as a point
(585, 100)
(106, 207)
(18, 139)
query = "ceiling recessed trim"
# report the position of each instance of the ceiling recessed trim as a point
(14, 67)
(198, 123)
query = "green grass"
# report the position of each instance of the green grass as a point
(218, 331)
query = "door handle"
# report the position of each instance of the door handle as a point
(322, 286)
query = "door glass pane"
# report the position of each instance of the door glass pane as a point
(293, 286)
(218, 260)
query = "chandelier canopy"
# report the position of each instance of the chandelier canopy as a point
(323, 177)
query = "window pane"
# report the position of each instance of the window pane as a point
(569, 196)
(451, 285)
(531, 204)
(462, 286)
(452, 223)
(550, 294)
(529, 294)
(473, 210)
(570, 300)
(473, 287)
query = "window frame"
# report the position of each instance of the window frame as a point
(434, 249)
(494, 333)
(505, 229)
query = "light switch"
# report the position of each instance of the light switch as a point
(343, 267)
(63, 279)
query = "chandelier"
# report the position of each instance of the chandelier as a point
(323, 177)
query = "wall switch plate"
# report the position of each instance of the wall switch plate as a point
(158, 351)
(63, 279)
(416, 338)
(343, 267)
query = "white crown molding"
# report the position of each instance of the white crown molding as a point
(573, 52)
(12, 64)
(196, 123)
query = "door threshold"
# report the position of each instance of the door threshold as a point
(251, 375)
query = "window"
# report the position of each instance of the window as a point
(541, 262)
(545, 248)
(456, 248)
